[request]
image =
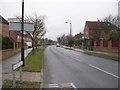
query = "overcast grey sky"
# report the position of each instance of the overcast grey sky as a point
(57, 12)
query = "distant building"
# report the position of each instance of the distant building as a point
(78, 36)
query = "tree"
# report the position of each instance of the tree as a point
(112, 19)
(113, 35)
(39, 28)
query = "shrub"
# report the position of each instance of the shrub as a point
(77, 42)
(7, 43)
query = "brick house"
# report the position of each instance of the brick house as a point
(95, 36)
(78, 36)
(97, 29)
(4, 24)
(15, 36)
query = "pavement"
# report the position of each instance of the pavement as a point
(26, 76)
(84, 50)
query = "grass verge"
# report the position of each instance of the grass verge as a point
(8, 84)
(116, 58)
(33, 63)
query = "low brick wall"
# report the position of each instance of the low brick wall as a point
(109, 48)
(9, 52)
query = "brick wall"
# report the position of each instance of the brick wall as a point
(106, 46)
(13, 35)
(86, 31)
(9, 52)
(5, 30)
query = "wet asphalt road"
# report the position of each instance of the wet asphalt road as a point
(84, 71)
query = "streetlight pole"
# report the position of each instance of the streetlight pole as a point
(70, 33)
(22, 30)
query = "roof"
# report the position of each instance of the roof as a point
(2, 20)
(97, 25)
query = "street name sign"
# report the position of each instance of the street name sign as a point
(15, 66)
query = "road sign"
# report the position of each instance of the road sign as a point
(15, 66)
(16, 26)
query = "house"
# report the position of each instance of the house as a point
(15, 36)
(4, 24)
(78, 36)
(96, 35)
(97, 30)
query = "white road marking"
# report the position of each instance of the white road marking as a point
(73, 85)
(76, 59)
(97, 68)
(103, 71)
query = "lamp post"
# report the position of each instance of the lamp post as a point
(70, 41)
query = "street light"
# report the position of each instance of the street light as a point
(22, 29)
(70, 33)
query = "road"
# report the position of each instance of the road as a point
(84, 71)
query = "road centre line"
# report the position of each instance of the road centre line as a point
(103, 71)
(76, 59)
(97, 68)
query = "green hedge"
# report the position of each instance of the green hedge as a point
(77, 42)
(6, 42)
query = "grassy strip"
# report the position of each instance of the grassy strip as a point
(116, 58)
(33, 63)
(8, 84)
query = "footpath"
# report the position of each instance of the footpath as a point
(26, 76)
(84, 50)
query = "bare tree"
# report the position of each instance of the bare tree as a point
(39, 28)
(112, 19)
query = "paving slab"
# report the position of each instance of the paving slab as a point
(26, 76)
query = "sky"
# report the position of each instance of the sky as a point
(57, 12)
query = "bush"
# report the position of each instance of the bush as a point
(7, 43)
(113, 35)
(77, 42)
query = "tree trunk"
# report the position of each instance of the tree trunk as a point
(33, 44)
(36, 43)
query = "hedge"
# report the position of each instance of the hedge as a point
(6, 42)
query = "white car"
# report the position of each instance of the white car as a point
(57, 45)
